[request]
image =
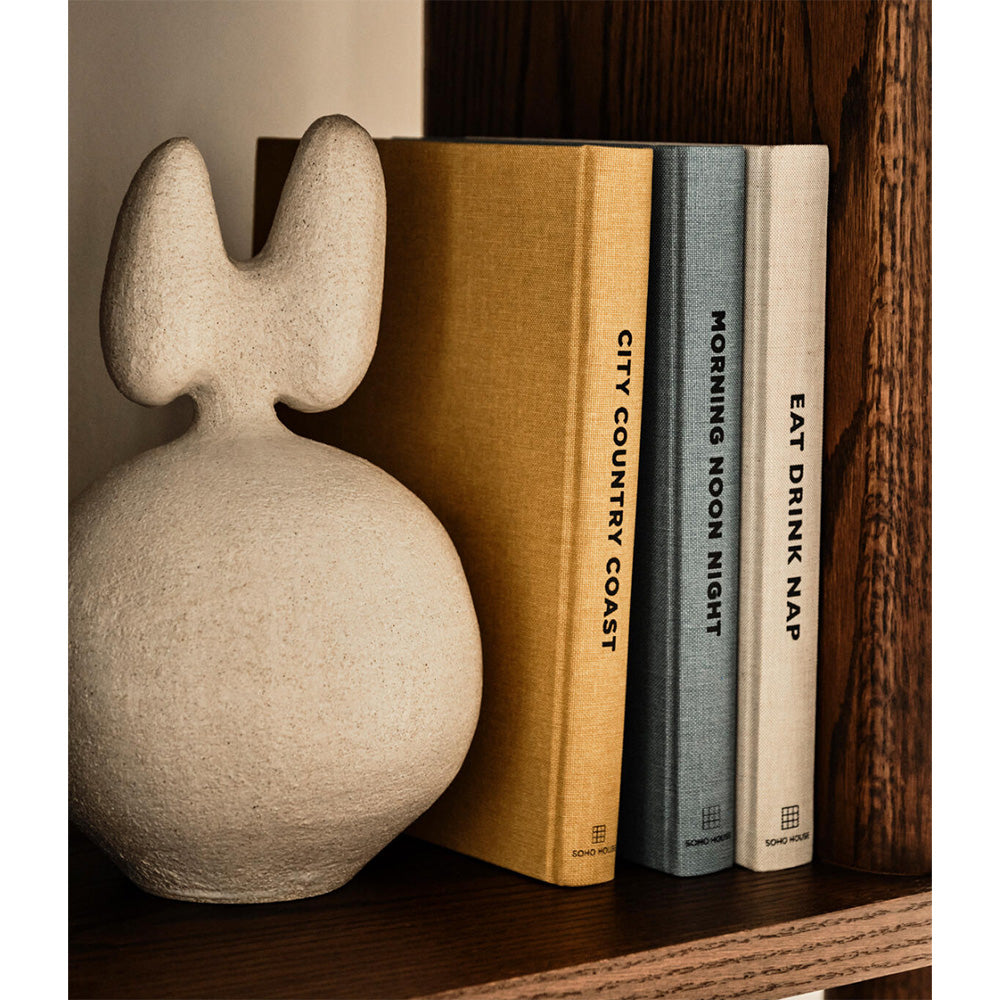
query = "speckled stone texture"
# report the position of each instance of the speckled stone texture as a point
(275, 664)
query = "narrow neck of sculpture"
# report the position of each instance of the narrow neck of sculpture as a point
(223, 412)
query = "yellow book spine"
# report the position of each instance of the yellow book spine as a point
(598, 527)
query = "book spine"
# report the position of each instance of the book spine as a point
(678, 795)
(782, 462)
(598, 525)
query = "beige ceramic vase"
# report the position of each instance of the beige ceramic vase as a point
(274, 659)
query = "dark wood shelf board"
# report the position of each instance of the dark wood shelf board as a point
(421, 920)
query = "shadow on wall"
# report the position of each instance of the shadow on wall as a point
(222, 74)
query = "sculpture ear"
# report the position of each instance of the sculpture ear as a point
(297, 323)
(324, 262)
(167, 272)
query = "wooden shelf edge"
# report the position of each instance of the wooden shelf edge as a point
(847, 946)
(421, 921)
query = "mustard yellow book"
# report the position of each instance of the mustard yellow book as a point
(506, 392)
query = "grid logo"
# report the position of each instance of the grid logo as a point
(711, 817)
(598, 834)
(789, 817)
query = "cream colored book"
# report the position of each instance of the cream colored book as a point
(783, 357)
(506, 392)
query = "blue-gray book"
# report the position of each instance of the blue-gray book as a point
(677, 800)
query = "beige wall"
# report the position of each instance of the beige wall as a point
(222, 73)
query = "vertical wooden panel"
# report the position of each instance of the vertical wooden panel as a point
(855, 76)
(873, 766)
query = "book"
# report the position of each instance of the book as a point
(506, 392)
(783, 359)
(678, 775)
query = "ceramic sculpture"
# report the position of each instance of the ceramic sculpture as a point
(274, 658)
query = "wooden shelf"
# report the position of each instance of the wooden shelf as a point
(421, 921)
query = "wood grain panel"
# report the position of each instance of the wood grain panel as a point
(873, 765)
(855, 76)
(777, 961)
(421, 920)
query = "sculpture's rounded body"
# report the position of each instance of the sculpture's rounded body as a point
(275, 665)
(274, 658)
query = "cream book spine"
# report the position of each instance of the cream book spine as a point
(783, 352)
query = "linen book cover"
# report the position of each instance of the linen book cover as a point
(678, 775)
(783, 354)
(506, 392)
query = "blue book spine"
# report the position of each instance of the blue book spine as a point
(678, 775)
